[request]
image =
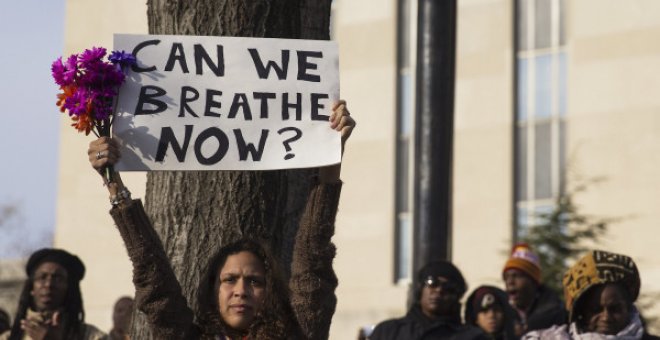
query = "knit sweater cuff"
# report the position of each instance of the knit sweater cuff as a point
(133, 224)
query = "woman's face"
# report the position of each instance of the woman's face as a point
(605, 310)
(491, 319)
(241, 289)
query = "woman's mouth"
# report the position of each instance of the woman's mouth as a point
(240, 308)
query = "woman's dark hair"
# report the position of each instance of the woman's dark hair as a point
(274, 321)
(73, 316)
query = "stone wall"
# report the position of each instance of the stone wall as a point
(12, 276)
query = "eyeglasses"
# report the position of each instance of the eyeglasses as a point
(446, 285)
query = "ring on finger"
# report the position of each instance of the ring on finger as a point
(100, 155)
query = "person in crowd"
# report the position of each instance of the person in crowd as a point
(537, 305)
(365, 332)
(122, 314)
(436, 311)
(243, 295)
(488, 308)
(5, 321)
(50, 305)
(600, 291)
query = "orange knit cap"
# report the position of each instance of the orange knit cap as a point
(524, 259)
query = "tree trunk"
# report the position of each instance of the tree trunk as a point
(196, 213)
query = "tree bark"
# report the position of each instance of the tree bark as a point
(196, 213)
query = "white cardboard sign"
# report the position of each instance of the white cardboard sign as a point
(222, 103)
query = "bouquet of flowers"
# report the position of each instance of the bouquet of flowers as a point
(89, 88)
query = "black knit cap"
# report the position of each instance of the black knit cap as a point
(74, 267)
(444, 269)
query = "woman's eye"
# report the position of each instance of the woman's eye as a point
(228, 280)
(616, 308)
(256, 282)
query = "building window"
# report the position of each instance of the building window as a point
(540, 125)
(405, 146)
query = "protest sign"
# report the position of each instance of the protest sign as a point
(226, 103)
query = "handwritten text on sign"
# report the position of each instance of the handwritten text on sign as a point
(220, 103)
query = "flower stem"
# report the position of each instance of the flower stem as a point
(104, 130)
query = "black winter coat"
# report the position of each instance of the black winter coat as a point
(416, 326)
(548, 310)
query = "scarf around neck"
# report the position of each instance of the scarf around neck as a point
(633, 331)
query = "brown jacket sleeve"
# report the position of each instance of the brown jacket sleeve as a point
(313, 280)
(157, 291)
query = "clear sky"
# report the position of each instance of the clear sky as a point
(32, 34)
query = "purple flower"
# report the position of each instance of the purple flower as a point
(71, 68)
(77, 103)
(90, 57)
(101, 75)
(122, 58)
(65, 73)
(102, 106)
(57, 69)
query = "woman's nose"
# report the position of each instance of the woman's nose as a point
(605, 315)
(240, 288)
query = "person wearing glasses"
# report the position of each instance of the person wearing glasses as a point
(50, 305)
(436, 311)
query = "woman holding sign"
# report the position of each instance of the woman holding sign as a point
(244, 297)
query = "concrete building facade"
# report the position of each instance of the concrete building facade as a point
(12, 278)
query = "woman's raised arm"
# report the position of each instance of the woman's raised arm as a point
(313, 280)
(157, 291)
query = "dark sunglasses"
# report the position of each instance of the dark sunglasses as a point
(434, 282)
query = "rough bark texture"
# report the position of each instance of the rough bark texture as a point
(195, 213)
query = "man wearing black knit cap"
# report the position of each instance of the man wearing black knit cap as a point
(50, 306)
(435, 314)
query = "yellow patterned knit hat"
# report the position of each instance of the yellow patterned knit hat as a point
(599, 267)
